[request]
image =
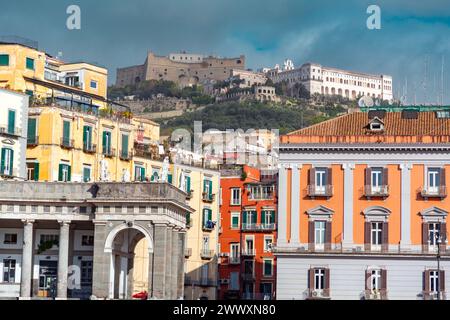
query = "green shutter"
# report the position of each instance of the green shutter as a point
(30, 63)
(60, 172)
(66, 131)
(104, 146)
(188, 184)
(85, 135)
(203, 217)
(244, 217)
(272, 217)
(142, 174)
(125, 145)
(235, 222)
(36, 171)
(204, 185)
(169, 178)
(263, 217)
(254, 217)
(11, 162)
(209, 215)
(4, 60)
(267, 267)
(210, 188)
(188, 218)
(11, 121)
(69, 174)
(31, 133)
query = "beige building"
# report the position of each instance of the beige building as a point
(249, 78)
(182, 68)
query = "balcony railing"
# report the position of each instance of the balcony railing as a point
(234, 260)
(323, 191)
(207, 254)
(109, 153)
(8, 174)
(33, 141)
(208, 226)
(248, 253)
(433, 295)
(15, 132)
(67, 143)
(207, 282)
(259, 227)
(256, 296)
(143, 153)
(318, 294)
(208, 197)
(434, 192)
(126, 155)
(376, 191)
(375, 294)
(89, 148)
(187, 252)
(189, 194)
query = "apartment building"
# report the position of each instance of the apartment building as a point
(248, 78)
(184, 69)
(332, 81)
(363, 206)
(247, 267)
(13, 134)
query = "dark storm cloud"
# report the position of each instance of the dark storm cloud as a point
(119, 33)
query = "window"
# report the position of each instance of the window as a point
(155, 175)
(376, 233)
(267, 218)
(10, 238)
(7, 162)
(321, 179)
(94, 84)
(268, 270)
(4, 60)
(248, 218)
(268, 240)
(434, 281)
(434, 230)
(86, 174)
(235, 196)
(375, 280)
(87, 138)
(234, 250)
(49, 237)
(9, 270)
(30, 63)
(261, 192)
(11, 121)
(249, 245)
(86, 272)
(266, 290)
(87, 240)
(319, 232)
(106, 143)
(66, 133)
(124, 152)
(235, 220)
(205, 243)
(376, 179)
(64, 172)
(207, 219)
(187, 182)
(433, 180)
(139, 173)
(319, 279)
(31, 132)
(207, 189)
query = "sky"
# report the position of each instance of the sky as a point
(413, 39)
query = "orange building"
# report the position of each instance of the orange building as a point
(247, 268)
(363, 207)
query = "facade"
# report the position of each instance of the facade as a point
(13, 134)
(76, 240)
(363, 207)
(25, 68)
(181, 68)
(331, 81)
(247, 267)
(249, 78)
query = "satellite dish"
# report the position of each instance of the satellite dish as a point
(365, 101)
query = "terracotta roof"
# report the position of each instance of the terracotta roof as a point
(357, 124)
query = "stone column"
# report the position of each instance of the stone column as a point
(180, 276)
(176, 252)
(63, 259)
(27, 259)
(103, 262)
(405, 206)
(160, 261)
(169, 257)
(282, 206)
(347, 240)
(295, 205)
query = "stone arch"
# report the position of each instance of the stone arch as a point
(115, 231)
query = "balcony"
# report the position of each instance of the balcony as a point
(109, 153)
(8, 174)
(248, 276)
(187, 252)
(375, 295)
(234, 260)
(248, 253)
(258, 227)
(433, 192)
(125, 155)
(12, 132)
(314, 294)
(207, 254)
(32, 141)
(189, 194)
(208, 226)
(89, 148)
(322, 191)
(434, 295)
(208, 197)
(143, 153)
(376, 191)
(67, 143)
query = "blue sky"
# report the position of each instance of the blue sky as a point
(117, 33)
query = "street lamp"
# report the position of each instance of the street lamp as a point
(439, 241)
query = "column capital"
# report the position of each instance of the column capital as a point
(28, 221)
(64, 222)
(298, 166)
(348, 166)
(406, 166)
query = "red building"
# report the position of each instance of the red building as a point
(247, 267)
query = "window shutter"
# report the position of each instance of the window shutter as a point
(69, 175)
(327, 279)
(188, 184)
(169, 178)
(31, 133)
(329, 176)
(385, 236)
(11, 121)
(312, 176)
(368, 278)
(367, 231)
(125, 144)
(383, 279)
(244, 217)
(66, 131)
(203, 216)
(11, 162)
(142, 174)
(4, 60)
(104, 146)
(272, 217)
(311, 235)
(60, 173)
(385, 177)
(263, 217)
(425, 227)
(442, 280)
(36, 171)
(442, 177)
(426, 282)
(311, 278)
(368, 176)
(209, 215)
(204, 185)
(2, 166)
(327, 235)
(210, 187)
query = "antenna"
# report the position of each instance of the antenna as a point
(425, 81)
(442, 81)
